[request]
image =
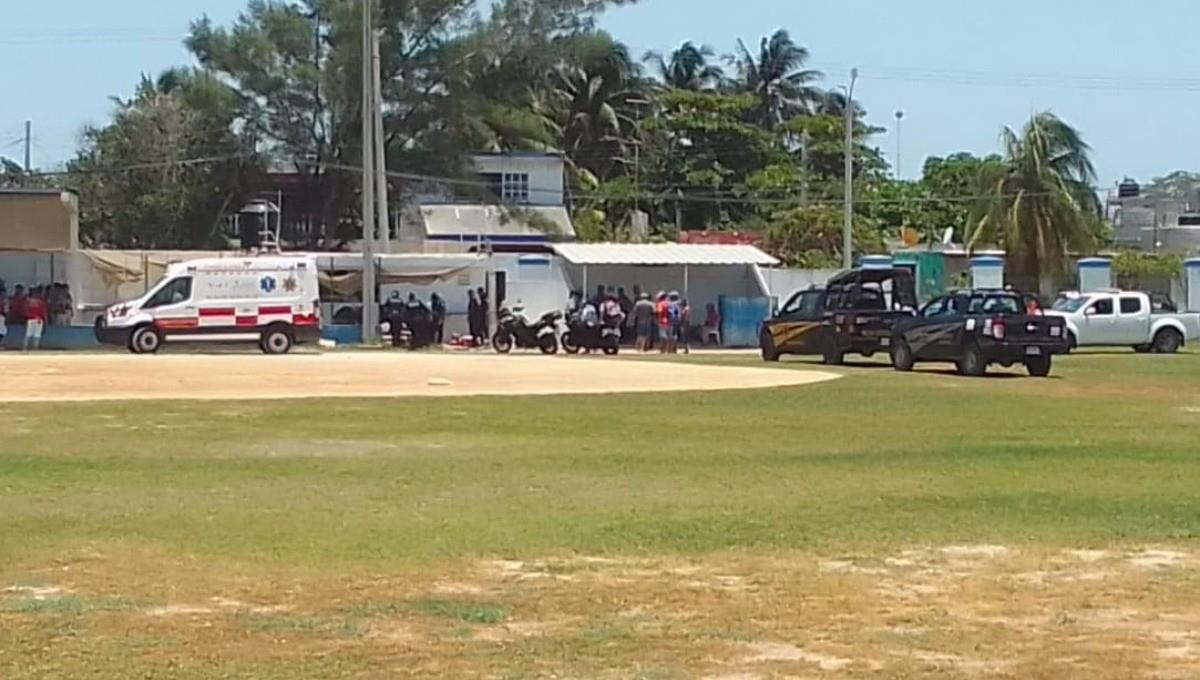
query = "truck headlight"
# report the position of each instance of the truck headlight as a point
(1056, 331)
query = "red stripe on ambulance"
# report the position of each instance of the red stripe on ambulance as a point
(247, 321)
(218, 311)
(270, 311)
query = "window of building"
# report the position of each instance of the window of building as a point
(516, 187)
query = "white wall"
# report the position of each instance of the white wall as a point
(540, 288)
(545, 174)
(784, 282)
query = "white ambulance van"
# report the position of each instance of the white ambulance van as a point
(273, 301)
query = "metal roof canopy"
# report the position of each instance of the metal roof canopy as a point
(662, 254)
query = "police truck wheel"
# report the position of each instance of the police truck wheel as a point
(767, 342)
(972, 364)
(569, 345)
(548, 344)
(1038, 367)
(276, 341)
(902, 356)
(1167, 341)
(502, 343)
(145, 340)
(832, 354)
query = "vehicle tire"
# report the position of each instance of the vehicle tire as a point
(502, 342)
(902, 356)
(568, 343)
(971, 363)
(276, 340)
(1072, 342)
(1038, 367)
(767, 343)
(1167, 341)
(831, 354)
(611, 346)
(548, 344)
(145, 340)
(1143, 349)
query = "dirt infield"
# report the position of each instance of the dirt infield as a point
(91, 377)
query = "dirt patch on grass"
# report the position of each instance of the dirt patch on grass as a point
(88, 377)
(933, 612)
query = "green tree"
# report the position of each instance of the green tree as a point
(1041, 199)
(778, 79)
(166, 170)
(687, 68)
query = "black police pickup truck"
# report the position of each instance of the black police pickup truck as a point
(975, 328)
(853, 313)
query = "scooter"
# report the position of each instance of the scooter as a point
(514, 331)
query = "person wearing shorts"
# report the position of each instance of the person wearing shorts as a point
(35, 320)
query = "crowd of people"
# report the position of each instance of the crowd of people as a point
(662, 321)
(35, 308)
(413, 322)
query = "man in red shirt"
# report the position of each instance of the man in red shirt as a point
(16, 306)
(35, 319)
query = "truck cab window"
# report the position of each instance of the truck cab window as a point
(1102, 307)
(1131, 305)
(174, 292)
(935, 308)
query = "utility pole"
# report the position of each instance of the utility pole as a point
(370, 310)
(28, 146)
(805, 139)
(848, 224)
(381, 181)
(899, 138)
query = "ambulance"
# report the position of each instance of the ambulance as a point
(273, 301)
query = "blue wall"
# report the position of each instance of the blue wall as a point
(742, 318)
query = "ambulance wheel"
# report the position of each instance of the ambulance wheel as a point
(145, 340)
(276, 340)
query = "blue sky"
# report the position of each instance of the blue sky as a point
(1123, 73)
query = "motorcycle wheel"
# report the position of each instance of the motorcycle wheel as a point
(502, 343)
(568, 344)
(548, 344)
(612, 346)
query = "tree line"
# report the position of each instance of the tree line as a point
(751, 140)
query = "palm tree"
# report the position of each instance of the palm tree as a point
(778, 79)
(687, 68)
(1041, 201)
(591, 104)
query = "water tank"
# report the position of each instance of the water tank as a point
(1129, 188)
(1095, 273)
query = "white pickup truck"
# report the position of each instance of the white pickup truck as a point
(1124, 318)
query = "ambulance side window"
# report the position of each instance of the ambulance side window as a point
(175, 292)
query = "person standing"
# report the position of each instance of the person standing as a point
(643, 322)
(438, 307)
(473, 325)
(663, 317)
(685, 325)
(17, 305)
(626, 303)
(485, 314)
(35, 320)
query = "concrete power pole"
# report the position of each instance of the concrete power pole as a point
(848, 224)
(381, 181)
(370, 309)
(28, 146)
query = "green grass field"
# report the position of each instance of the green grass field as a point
(528, 537)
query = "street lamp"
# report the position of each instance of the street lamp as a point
(899, 121)
(848, 225)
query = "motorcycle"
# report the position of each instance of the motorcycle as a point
(579, 336)
(513, 330)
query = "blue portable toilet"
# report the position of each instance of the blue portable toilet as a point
(1191, 279)
(1095, 273)
(987, 271)
(875, 262)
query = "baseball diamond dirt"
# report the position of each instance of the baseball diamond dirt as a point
(90, 377)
